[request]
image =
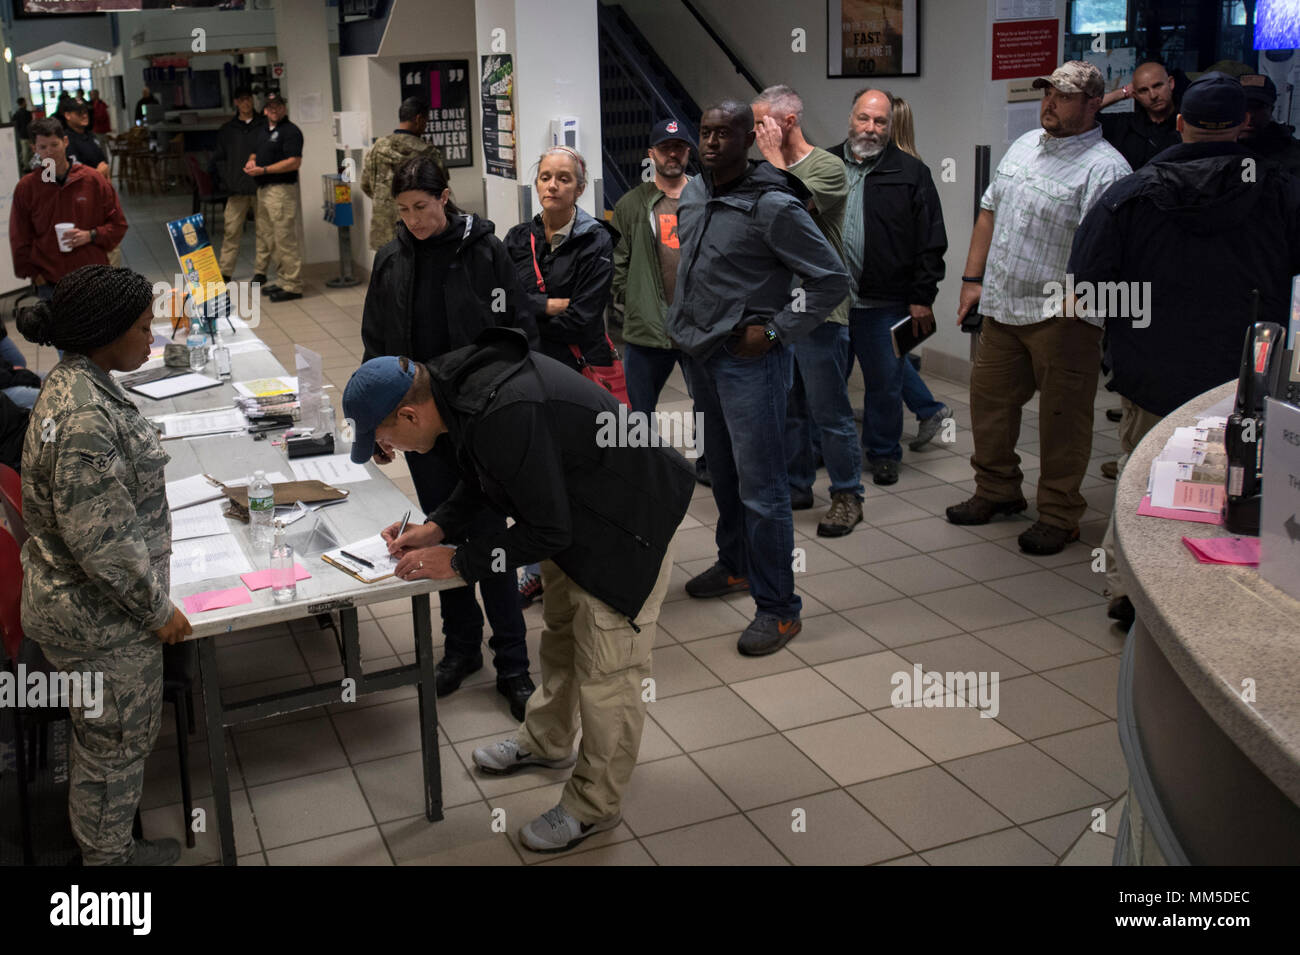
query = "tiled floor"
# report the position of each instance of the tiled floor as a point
(798, 757)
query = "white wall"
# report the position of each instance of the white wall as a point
(955, 104)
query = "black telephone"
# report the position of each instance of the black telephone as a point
(1262, 376)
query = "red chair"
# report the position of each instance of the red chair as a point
(11, 503)
(205, 190)
(11, 638)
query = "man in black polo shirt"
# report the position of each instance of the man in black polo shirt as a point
(1149, 129)
(274, 166)
(82, 145)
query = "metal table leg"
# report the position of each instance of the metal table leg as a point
(217, 750)
(422, 622)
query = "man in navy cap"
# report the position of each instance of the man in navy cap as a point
(1262, 134)
(1206, 207)
(538, 442)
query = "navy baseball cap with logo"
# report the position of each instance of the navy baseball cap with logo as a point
(373, 393)
(669, 129)
(1260, 90)
(1215, 101)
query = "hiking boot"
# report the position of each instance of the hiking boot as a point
(884, 471)
(1121, 609)
(1110, 469)
(980, 510)
(800, 500)
(516, 689)
(154, 852)
(844, 515)
(555, 830)
(716, 582)
(452, 670)
(767, 634)
(506, 757)
(1046, 539)
(929, 428)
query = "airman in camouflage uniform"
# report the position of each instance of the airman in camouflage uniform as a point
(96, 584)
(384, 157)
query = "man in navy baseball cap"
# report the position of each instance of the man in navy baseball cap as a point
(1216, 101)
(669, 129)
(1262, 134)
(372, 395)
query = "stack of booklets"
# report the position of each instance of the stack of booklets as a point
(1190, 474)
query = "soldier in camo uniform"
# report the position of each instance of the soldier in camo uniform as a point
(385, 156)
(97, 578)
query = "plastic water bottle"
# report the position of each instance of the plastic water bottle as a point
(198, 345)
(261, 510)
(221, 357)
(284, 582)
(325, 423)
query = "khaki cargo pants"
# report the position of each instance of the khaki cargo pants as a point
(109, 751)
(593, 663)
(277, 234)
(236, 214)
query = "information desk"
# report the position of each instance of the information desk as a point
(1209, 691)
(371, 506)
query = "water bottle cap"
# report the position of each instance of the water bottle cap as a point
(258, 474)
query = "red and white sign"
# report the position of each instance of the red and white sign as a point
(1025, 48)
(277, 70)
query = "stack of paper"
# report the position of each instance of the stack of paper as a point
(190, 491)
(374, 564)
(1225, 550)
(220, 421)
(1190, 473)
(203, 520)
(333, 469)
(207, 558)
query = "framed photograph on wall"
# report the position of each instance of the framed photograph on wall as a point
(872, 38)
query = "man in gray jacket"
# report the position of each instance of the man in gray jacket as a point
(745, 237)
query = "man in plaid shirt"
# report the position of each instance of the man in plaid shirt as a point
(1020, 246)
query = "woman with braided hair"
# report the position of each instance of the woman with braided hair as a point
(96, 585)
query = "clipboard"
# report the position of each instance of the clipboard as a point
(363, 548)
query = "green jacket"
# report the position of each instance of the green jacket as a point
(377, 170)
(638, 283)
(97, 564)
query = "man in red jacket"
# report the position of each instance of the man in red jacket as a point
(56, 192)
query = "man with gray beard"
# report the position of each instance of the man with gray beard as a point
(890, 194)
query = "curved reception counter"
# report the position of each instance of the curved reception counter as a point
(1209, 691)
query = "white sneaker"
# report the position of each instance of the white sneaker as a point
(555, 830)
(506, 757)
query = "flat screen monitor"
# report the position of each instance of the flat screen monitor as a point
(1277, 25)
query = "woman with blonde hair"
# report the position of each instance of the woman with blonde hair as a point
(904, 132)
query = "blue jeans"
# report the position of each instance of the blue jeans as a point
(647, 369)
(819, 404)
(884, 377)
(22, 395)
(435, 477)
(915, 393)
(743, 403)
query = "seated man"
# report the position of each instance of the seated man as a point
(533, 441)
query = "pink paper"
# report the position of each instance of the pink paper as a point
(1147, 509)
(216, 599)
(261, 579)
(1198, 497)
(1224, 550)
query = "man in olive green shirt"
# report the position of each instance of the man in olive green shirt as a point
(819, 398)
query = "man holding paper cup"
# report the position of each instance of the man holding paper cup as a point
(65, 215)
(534, 441)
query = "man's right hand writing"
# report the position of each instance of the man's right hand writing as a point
(415, 536)
(176, 629)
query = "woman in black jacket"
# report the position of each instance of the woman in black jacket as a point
(564, 263)
(443, 279)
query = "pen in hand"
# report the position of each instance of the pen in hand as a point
(405, 520)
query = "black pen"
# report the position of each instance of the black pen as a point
(359, 560)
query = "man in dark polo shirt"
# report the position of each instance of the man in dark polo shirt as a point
(274, 166)
(1149, 129)
(82, 145)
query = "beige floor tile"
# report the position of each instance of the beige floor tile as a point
(1096, 682)
(375, 732)
(169, 822)
(867, 678)
(720, 655)
(671, 793)
(162, 775)
(931, 534)
(676, 671)
(1009, 847)
(867, 545)
(985, 561)
(857, 748)
(1092, 849)
(933, 500)
(696, 543)
(817, 558)
(844, 589)
(1032, 708)
(974, 608)
(762, 771)
(696, 619)
(655, 743)
(289, 750)
(464, 837)
(835, 831)
(1058, 833)
(889, 509)
(961, 652)
(1040, 644)
(928, 808)
(621, 854)
(898, 622)
(309, 807)
(475, 711)
(732, 840)
(904, 860)
(361, 847)
(796, 698)
(1093, 625)
(946, 732)
(1094, 753)
(394, 787)
(708, 718)
(1044, 592)
(264, 660)
(1087, 578)
(1025, 784)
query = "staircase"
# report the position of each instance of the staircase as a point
(636, 91)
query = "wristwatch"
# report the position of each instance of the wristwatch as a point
(456, 565)
(770, 332)
(94, 234)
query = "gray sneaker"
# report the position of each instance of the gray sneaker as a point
(155, 852)
(929, 428)
(555, 830)
(506, 757)
(767, 634)
(844, 515)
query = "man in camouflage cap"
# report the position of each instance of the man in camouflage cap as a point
(385, 156)
(97, 577)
